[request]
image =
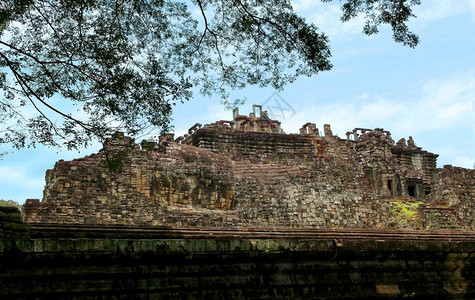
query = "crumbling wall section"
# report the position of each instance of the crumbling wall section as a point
(175, 184)
(253, 145)
(454, 189)
(126, 185)
(314, 193)
(224, 177)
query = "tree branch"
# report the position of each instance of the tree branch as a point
(216, 44)
(24, 84)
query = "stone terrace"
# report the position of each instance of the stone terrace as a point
(248, 172)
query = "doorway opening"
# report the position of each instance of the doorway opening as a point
(411, 190)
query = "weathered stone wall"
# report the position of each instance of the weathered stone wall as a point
(144, 187)
(220, 175)
(225, 213)
(454, 189)
(198, 187)
(110, 262)
(286, 180)
(253, 145)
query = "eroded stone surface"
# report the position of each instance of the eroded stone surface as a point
(47, 261)
(247, 172)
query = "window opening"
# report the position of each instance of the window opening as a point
(257, 110)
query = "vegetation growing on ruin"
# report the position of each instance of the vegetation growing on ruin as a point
(405, 213)
(9, 203)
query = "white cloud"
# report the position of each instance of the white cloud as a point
(442, 108)
(434, 10)
(465, 162)
(216, 111)
(379, 109)
(444, 102)
(326, 17)
(364, 110)
(452, 112)
(209, 111)
(304, 5)
(18, 176)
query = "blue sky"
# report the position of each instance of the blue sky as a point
(427, 93)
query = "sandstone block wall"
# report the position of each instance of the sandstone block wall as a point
(45, 261)
(226, 177)
(454, 189)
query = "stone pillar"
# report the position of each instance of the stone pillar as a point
(327, 130)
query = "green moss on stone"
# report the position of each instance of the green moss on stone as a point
(122, 246)
(24, 245)
(176, 245)
(160, 245)
(108, 245)
(96, 245)
(136, 245)
(267, 245)
(82, 245)
(211, 246)
(52, 246)
(195, 246)
(245, 245)
(234, 245)
(38, 246)
(147, 246)
(223, 246)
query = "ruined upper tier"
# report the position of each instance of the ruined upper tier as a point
(249, 172)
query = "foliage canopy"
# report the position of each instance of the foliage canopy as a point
(123, 64)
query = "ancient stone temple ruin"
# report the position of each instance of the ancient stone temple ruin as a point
(241, 210)
(248, 172)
